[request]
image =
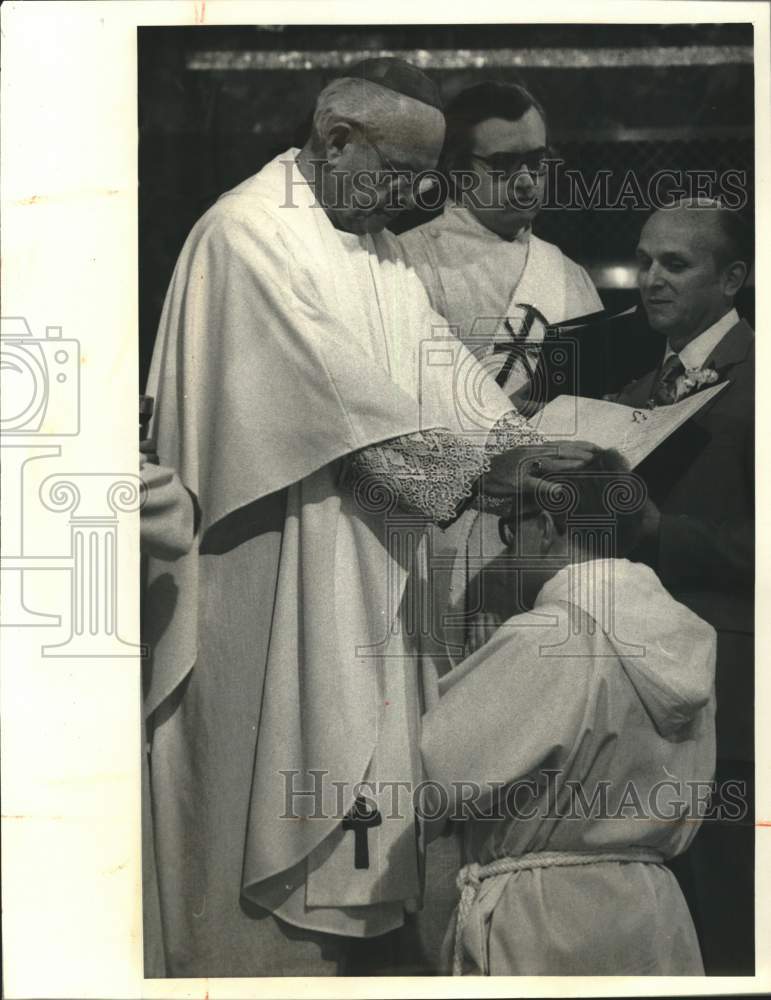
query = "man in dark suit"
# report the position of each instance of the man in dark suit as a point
(699, 527)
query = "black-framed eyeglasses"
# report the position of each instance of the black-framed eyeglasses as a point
(534, 161)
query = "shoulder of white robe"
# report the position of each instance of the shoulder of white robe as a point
(236, 214)
(542, 284)
(253, 230)
(522, 637)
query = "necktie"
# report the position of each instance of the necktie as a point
(671, 370)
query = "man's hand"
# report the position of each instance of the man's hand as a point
(147, 453)
(522, 467)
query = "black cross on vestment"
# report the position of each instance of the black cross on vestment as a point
(515, 348)
(361, 817)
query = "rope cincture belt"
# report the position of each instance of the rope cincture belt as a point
(470, 878)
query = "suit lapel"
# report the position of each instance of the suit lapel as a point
(733, 348)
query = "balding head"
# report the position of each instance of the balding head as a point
(693, 258)
(380, 112)
(364, 135)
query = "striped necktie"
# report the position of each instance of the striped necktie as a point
(671, 370)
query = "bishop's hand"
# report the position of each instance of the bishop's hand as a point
(522, 467)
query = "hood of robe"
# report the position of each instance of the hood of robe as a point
(674, 675)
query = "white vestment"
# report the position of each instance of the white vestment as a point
(279, 661)
(606, 688)
(482, 283)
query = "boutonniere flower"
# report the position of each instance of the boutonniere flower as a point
(691, 381)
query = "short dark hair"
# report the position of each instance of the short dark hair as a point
(603, 488)
(476, 104)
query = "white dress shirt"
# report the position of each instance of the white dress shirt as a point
(696, 351)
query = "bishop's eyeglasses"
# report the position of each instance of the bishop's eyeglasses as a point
(395, 175)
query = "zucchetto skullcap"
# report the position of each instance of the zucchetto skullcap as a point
(400, 76)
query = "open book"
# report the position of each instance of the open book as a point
(633, 432)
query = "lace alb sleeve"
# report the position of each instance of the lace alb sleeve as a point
(428, 472)
(432, 473)
(511, 431)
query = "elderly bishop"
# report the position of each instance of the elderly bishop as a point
(292, 399)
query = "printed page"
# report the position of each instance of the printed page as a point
(633, 432)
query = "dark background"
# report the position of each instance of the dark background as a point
(215, 104)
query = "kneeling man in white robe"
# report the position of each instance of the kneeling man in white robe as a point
(576, 747)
